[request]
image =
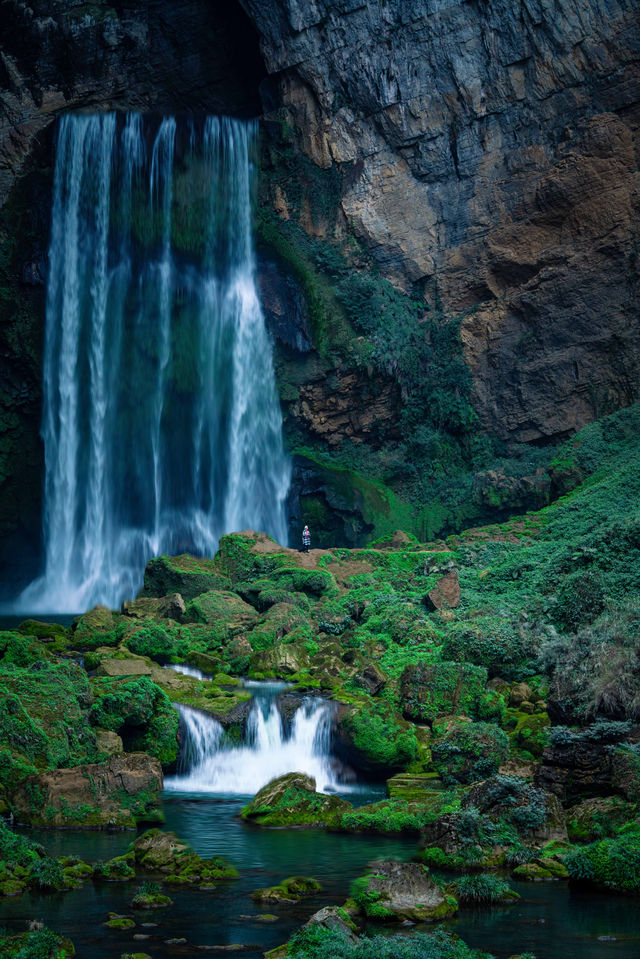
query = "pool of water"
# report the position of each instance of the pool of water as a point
(550, 920)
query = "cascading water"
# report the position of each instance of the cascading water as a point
(161, 425)
(208, 765)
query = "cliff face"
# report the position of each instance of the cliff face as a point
(489, 148)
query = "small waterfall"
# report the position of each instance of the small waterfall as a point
(161, 422)
(208, 765)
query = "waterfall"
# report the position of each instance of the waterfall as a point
(209, 765)
(161, 422)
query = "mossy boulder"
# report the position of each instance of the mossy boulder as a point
(284, 659)
(164, 853)
(229, 705)
(116, 794)
(116, 921)
(224, 612)
(598, 818)
(139, 712)
(373, 739)
(401, 891)
(118, 869)
(97, 627)
(171, 606)
(43, 719)
(470, 752)
(292, 800)
(289, 890)
(187, 575)
(277, 623)
(541, 870)
(441, 689)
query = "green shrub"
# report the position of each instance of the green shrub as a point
(317, 942)
(46, 874)
(482, 888)
(613, 863)
(470, 752)
(579, 600)
(379, 736)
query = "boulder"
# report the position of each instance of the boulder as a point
(171, 606)
(108, 742)
(292, 800)
(116, 794)
(285, 659)
(537, 815)
(371, 679)
(519, 694)
(446, 593)
(189, 576)
(164, 853)
(404, 890)
(289, 890)
(222, 609)
(441, 689)
(110, 666)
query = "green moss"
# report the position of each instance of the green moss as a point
(443, 689)
(470, 752)
(289, 890)
(140, 712)
(612, 863)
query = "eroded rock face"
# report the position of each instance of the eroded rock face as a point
(116, 794)
(489, 146)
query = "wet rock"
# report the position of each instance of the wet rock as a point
(291, 800)
(402, 890)
(281, 660)
(164, 853)
(289, 890)
(541, 870)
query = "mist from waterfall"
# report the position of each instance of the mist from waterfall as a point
(161, 422)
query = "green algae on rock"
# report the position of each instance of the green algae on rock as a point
(289, 890)
(401, 891)
(292, 800)
(164, 853)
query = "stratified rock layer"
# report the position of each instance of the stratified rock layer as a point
(489, 148)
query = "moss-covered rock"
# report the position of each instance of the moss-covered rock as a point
(374, 739)
(611, 863)
(470, 752)
(541, 870)
(442, 689)
(138, 711)
(284, 659)
(225, 613)
(119, 869)
(97, 627)
(164, 853)
(116, 921)
(229, 705)
(187, 575)
(289, 890)
(118, 794)
(292, 800)
(401, 891)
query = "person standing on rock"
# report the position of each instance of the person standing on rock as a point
(306, 540)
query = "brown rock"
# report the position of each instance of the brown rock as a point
(119, 793)
(108, 742)
(124, 667)
(147, 607)
(446, 593)
(519, 694)
(372, 679)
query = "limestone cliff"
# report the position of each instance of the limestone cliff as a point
(489, 148)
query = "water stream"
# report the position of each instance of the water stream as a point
(271, 748)
(161, 422)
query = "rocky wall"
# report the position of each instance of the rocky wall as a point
(488, 150)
